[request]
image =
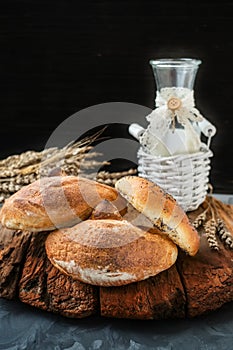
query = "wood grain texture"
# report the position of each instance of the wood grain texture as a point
(207, 277)
(193, 286)
(13, 247)
(43, 286)
(159, 297)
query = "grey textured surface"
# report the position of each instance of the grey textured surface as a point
(225, 198)
(23, 327)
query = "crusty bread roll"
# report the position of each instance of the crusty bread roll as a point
(54, 202)
(109, 252)
(162, 209)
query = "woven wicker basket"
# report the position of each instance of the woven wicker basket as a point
(185, 177)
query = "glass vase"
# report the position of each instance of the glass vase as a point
(173, 127)
(175, 72)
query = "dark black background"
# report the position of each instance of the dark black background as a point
(58, 57)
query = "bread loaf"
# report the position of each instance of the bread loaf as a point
(162, 210)
(109, 252)
(54, 202)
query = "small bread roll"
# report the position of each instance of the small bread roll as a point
(162, 210)
(109, 252)
(54, 202)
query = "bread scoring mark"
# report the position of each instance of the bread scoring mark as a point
(103, 276)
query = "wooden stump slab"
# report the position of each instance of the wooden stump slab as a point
(208, 277)
(13, 248)
(193, 286)
(42, 285)
(159, 297)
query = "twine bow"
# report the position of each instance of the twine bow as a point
(173, 104)
(179, 103)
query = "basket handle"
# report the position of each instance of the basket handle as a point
(207, 128)
(136, 130)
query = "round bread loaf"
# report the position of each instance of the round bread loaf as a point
(162, 210)
(109, 252)
(54, 202)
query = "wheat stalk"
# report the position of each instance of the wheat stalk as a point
(76, 158)
(210, 231)
(207, 220)
(224, 235)
(200, 219)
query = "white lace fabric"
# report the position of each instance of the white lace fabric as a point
(161, 138)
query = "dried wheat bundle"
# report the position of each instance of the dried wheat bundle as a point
(210, 231)
(224, 235)
(214, 227)
(76, 158)
(111, 178)
(200, 219)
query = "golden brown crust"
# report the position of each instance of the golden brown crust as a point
(106, 210)
(55, 202)
(109, 252)
(162, 209)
